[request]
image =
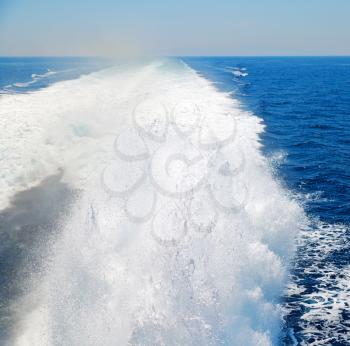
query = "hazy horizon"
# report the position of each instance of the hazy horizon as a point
(162, 28)
(183, 56)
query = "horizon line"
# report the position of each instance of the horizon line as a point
(183, 56)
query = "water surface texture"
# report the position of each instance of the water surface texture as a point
(189, 201)
(305, 104)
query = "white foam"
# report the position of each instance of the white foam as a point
(57, 127)
(35, 77)
(44, 75)
(238, 73)
(325, 303)
(152, 260)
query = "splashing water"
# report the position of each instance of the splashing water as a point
(180, 234)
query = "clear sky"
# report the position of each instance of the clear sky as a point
(177, 27)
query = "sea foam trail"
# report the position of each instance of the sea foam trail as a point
(181, 235)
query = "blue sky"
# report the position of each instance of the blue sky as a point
(178, 27)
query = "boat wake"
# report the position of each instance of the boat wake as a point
(180, 234)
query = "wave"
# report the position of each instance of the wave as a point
(238, 72)
(35, 78)
(181, 235)
(44, 75)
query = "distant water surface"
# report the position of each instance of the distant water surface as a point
(25, 74)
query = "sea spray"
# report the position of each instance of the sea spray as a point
(181, 234)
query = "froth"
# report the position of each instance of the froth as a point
(181, 235)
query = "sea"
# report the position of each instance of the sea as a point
(175, 201)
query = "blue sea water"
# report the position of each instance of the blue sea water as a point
(305, 105)
(19, 75)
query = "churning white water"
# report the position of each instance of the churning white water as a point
(181, 234)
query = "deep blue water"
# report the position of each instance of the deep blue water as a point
(305, 104)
